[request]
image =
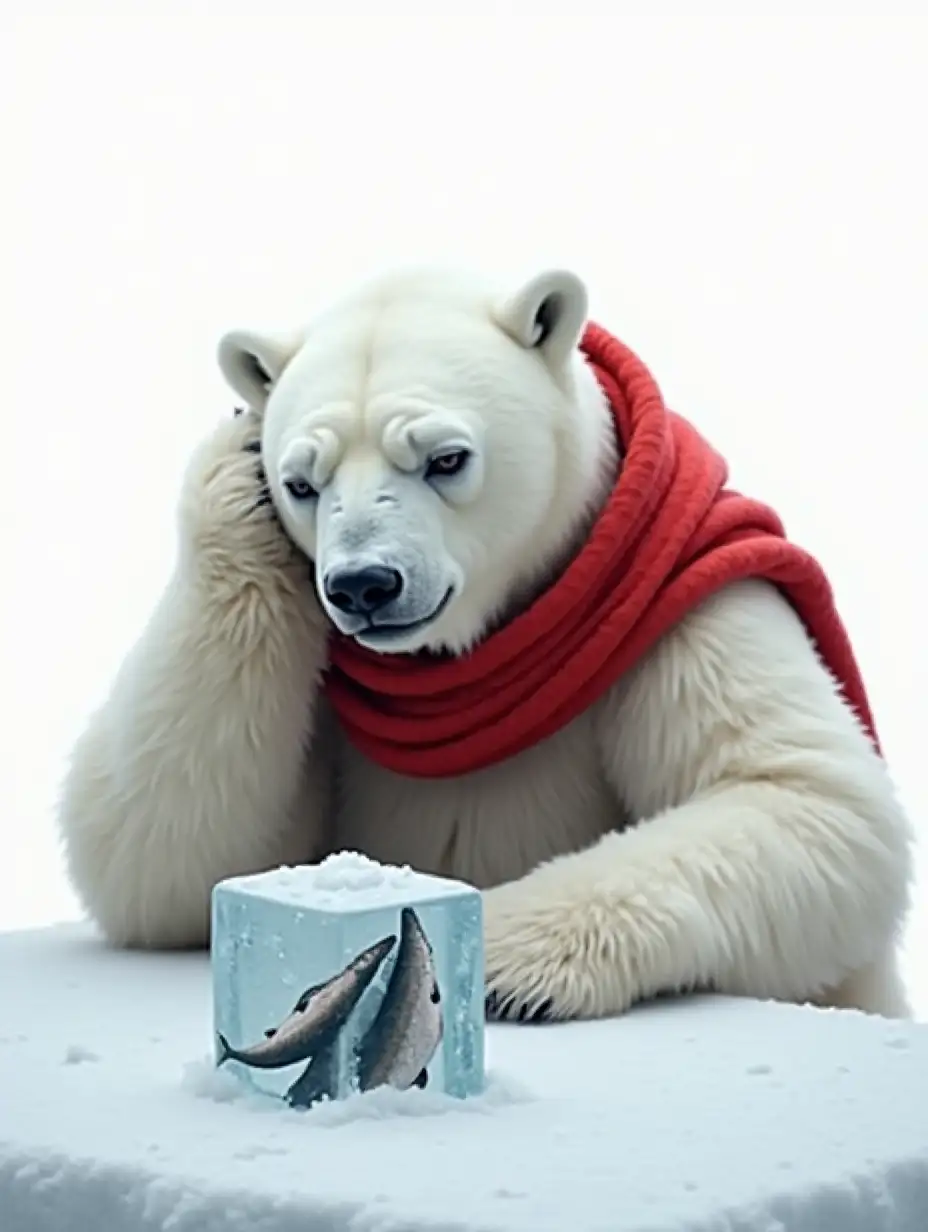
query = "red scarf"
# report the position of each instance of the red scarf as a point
(670, 535)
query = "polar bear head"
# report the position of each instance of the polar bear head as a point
(436, 445)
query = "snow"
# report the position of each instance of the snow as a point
(692, 1116)
(345, 881)
(347, 870)
(348, 875)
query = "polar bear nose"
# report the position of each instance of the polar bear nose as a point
(364, 591)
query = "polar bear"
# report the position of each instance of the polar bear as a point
(416, 489)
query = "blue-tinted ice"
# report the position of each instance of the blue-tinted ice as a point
(348, 975)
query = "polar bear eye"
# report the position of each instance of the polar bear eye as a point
(299, 489)
(444, 465)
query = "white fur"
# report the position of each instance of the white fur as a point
(410, 368)
(717, 820)
(196, 766)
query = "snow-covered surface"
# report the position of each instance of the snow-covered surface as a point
(708, 1116)
(346, 881)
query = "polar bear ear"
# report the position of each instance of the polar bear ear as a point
(251, 362)
(547, 314)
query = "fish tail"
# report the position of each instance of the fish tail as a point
(317, 1082)
(225, 1049)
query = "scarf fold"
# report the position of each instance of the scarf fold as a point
(670, 535)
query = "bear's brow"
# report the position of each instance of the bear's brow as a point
(340, 417)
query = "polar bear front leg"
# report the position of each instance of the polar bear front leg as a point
(771, 858)
(200, 764)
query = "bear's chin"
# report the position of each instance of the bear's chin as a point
(392, 643)
(417, 640)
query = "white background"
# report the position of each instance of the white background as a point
(746, 198)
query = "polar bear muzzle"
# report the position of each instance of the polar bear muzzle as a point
(383, 570)
(370, 598)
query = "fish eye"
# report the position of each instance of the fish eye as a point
(445, 465)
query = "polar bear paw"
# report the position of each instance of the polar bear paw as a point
(543, 961)
(227, 514)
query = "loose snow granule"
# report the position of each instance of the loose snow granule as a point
(348, 870)
(202, 1078)
(76, 1054)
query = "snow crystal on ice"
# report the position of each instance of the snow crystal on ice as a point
(344, 873)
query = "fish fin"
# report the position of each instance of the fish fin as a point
(270, 1033)
(421, 1079)
(436, 992)
(388, 943)
(307, 996)
(225, 1049)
